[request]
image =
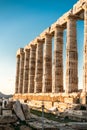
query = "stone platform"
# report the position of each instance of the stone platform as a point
(60, 100)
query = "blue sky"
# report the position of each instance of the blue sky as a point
(20, 22)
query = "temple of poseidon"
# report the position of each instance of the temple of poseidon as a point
(38, 78)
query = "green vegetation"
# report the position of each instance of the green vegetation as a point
(51, 116)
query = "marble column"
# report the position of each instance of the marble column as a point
(47, 64)
(39, 67)
(85, 51)
(26, 71)
(32, 69)
(17, 73)
(21, 70)
(71, 57)
(57, 85)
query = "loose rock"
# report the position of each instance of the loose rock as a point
(26, 111)
(18, 110)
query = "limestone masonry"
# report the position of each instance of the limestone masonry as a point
(37, 77)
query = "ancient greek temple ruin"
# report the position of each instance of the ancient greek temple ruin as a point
(36, 73)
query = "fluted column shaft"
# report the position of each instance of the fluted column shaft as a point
(39, 67)
(26, 71)
(47, 64)
(85, 51)
(21, 71)
(57, 85)
(32, 69)
(71, 57)
(17, 73)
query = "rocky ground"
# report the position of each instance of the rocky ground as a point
(17, 116)
(36, 122)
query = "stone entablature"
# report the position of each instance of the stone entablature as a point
(34, 61)
(78, 7)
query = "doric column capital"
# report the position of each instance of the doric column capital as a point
(18, 56)
(21, 51)
(39, 41)
(57, 26)
(84, 6)
(32, 46)
(48, 34)
(71, 17)
(26, 49)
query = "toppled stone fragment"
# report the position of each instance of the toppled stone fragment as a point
(6, 112)
(18, 110)
(26, 111)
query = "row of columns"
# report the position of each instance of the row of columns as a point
(34, 65)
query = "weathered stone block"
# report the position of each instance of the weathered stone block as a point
(69, 100)
(18, 110)
(7, 119)
(6, 112)
(26, 111)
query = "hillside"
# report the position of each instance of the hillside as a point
(5, 96)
